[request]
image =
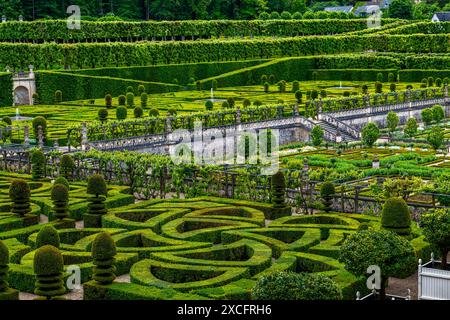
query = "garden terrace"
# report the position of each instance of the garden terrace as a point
(166, 261)
(50, 31)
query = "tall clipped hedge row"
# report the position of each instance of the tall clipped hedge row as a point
(415, 75)
(78, 87)
(126, 31)
(6, 85)
(94, 55)
(183, 73)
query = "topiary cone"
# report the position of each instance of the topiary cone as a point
(48, 267)
(396, 216)
(103, 253)
(48, 235)
(6, 293)
(60, 198)
(19, 193)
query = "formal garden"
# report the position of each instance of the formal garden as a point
(94, 206)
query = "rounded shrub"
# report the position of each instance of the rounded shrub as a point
(63, 181)
(144, 100)
(48, 235)
(108, 101)
(37, 164)
(66, 166)
(297, 16)
(121, 113)
(396, 216)
(264, 16)
(274, 15)
(96, 185)
(39, 121)
(209, 105)
(327, 191)
(130, 89)
(103, 255)
(7, 120)
(266, 87)
(153, 112)
(4, 261)
(60, 198)
(378, 87)
(48, 266)
(225, 105)
(286, 15)
(246, 103)
(295, 86)
(122, 100)
(392, 87)
(58, 96)
(103, 114)
(19, 193)
(141, 89)
(438, 82)
(130, 99)
(296, 286)
(138, 112)
(35, 98)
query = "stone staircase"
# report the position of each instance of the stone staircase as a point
(333, 129)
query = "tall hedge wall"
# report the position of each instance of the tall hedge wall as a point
(78, 87)
(352, 74)
(418, 75)
(167, 73)
(6, 87)
(127, 31)
(94, 55)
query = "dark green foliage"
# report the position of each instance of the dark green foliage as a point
(42, 122)
(246, 103)
(141, 89)
(63, 181)
(96, 208)
(411, 127)
(130, 89)
(294, 286)
(396, 216)
(58, 96)
(225, 105)
(327, 191)
(66, 166)
(391, 77)
(209, 105)
(393, 254)
(48, 235)
(7, 120)
(108, 101)
(266, 87)
(298, 96)
(295, 86)
(427, 116)
(435, 226)
(438, 82)
(378, 87)
(60, 198)
(19, 193)
(438, 113)
(96, 185)
(48, 267)
(380, 77)
(121, 113)
(153, 112)
(138, 112)
(35, 98)
(278, 190)
(130, 99)
(144, 100)
(38, 161)
(103, 253)
(103, 114)
(4, 261)
(122, 100)
(392, 87)
(231, 102)
(314, 94)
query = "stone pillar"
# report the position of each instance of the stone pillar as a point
(238, 115)
(40, 138)
(84, 139)
(26, 135)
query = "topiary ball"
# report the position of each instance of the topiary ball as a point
(103, 247)
(96, 185)
(48, 235)
(19, 189)
(396, 216)
(60, 193)
(7, 120)
(121, 113)
(63, 181)
(4, 254)
(278, 180)
(48, 261)
(327, 190)
(138, 112)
